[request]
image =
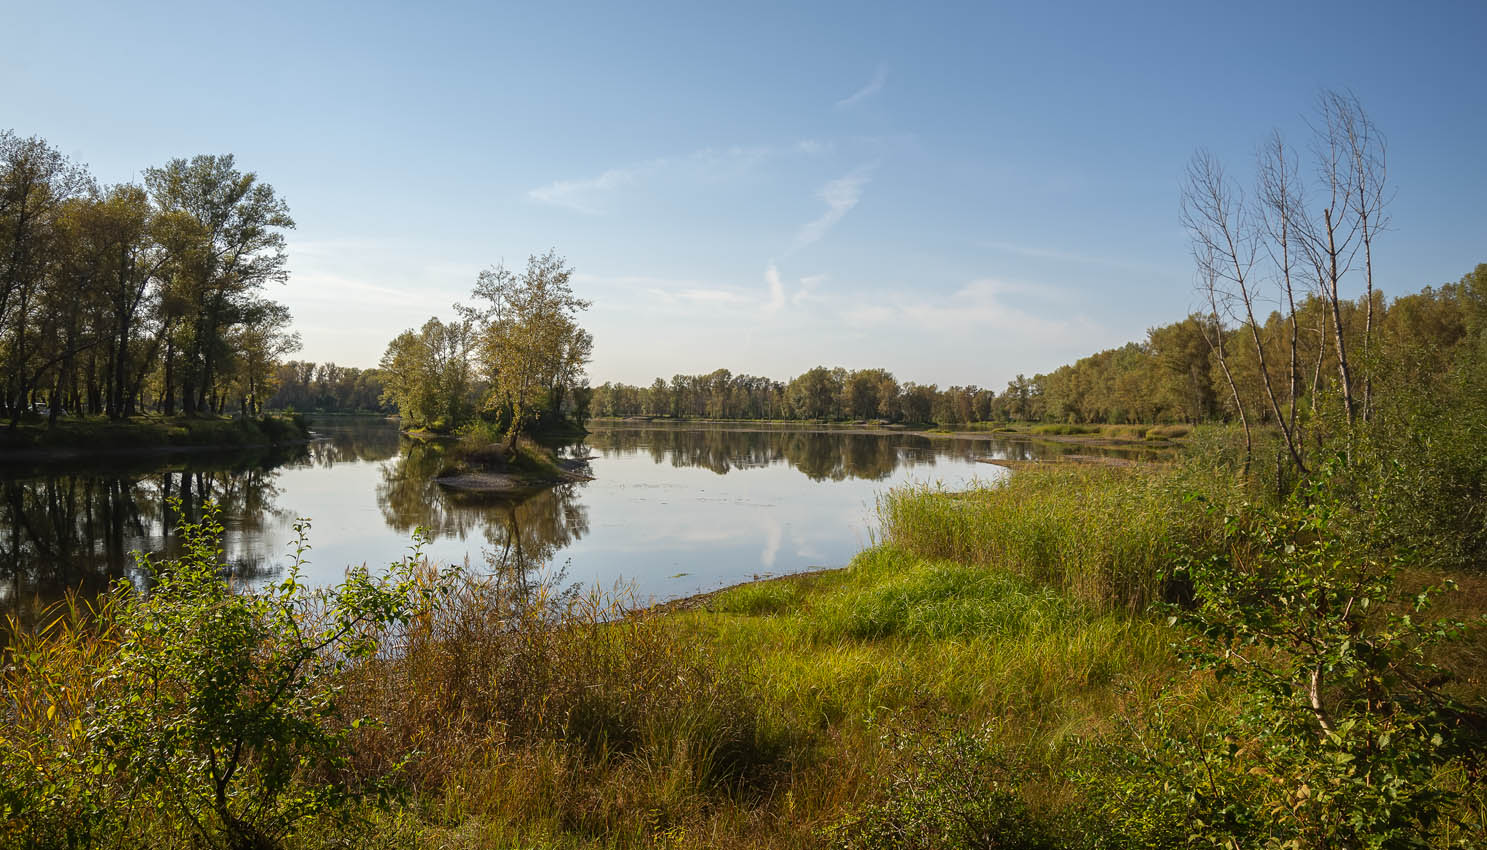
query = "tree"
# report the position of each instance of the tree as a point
(531, 347)
(427, 374)
(224, 229)
(1226, 242)
(36, 183)
(814, 394)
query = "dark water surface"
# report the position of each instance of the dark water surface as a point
(672, 509)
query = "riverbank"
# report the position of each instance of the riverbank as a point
(75, 437)
(1151, 436)
(991, 672)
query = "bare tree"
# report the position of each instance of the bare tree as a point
(1226, 242)
(1366, 151)
(1280, 205)
(1332, 242)
(1212, 328)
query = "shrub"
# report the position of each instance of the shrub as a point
(216, 714)
(957, 791)
(1344, 732)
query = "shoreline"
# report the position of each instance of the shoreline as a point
(772, 425)
(146, 438)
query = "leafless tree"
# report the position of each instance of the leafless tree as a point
(1226, 242)
(1332, 241)
(1367, 153)
(1280, 205)
(1212, 328)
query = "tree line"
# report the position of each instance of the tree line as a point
(304, 385)
(133, 297)
(822, 393)
(1201, 369)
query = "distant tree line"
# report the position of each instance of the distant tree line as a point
(819, 394)
(1176, 374)
(117, 299)
(304, 386)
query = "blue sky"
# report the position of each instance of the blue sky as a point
(956, 193)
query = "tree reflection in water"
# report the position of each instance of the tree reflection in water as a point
(825, 454)
(76, 528)
(79, 529)
(522, 531)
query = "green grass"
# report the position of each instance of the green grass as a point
(788, 712)
(1102, 536)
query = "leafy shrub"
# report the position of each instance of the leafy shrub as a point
(211, 714)
(1344, 732)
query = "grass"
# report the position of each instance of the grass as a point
(959, 671)
(154, 432)
(1102, 536)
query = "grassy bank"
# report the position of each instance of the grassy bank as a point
(990, 673)
(76, 435)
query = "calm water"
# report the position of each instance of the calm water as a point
(672, 509)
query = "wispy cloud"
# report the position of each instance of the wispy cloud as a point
(873, 86)
(1040, 253)
(840, 195)
(590, 195)
(582, 195)
(806, 292)
(980, 305)
(776, 290)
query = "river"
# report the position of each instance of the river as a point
(672, 509)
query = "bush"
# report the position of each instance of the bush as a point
(190, 710)
(957, 791)
(1344, 735)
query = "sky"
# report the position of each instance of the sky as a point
(957, 193)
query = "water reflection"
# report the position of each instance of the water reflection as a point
(827, 454)
(80, 529)
(674, 508)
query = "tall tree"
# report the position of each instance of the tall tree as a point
(224, 229)
(530, 343)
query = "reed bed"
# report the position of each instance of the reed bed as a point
(1103, 536)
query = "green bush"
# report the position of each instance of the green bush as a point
(213, 715)
(958, 791)
(1344, 734)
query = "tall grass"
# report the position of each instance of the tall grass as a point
(1102, 535)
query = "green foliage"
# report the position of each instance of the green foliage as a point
(216, 713)
(427, 375)
(1420, 462)
(531, 347)
(958, 791)
(1344, 732)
